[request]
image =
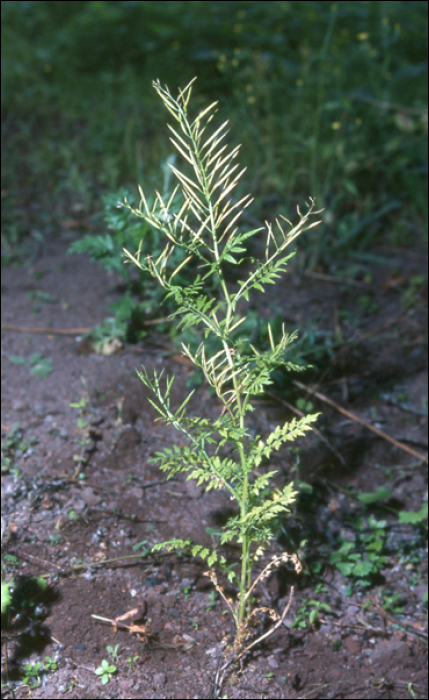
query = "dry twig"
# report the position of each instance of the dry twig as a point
(357, 419)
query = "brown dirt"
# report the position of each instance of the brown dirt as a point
(52, 520)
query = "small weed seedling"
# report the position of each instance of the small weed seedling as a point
(105, 671)
(83, 425)
(19, 602)
(33, 672)
(223, 453)
(186, 590)
(39, 365)
(212, 602)
(13, 446)
(308, 614)
(113, 652)
(362, 559)
(132, 662)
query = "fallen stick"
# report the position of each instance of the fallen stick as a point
(48, 331)
(335, 280)
(322, 397)
(73, 331)
(317, 432)
(356, 419)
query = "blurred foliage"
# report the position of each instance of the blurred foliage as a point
(142, 297)
(328, 100)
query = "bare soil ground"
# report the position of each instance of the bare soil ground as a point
(77, 532)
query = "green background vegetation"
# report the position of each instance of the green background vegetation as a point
(327, 99)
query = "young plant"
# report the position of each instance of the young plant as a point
(105, 671)
(362, 558)
(32, 674)
(83, 425)
(113, 652)
(132, 661)
(308, 614)
(141, 299)
(223, 453)
(13, 446)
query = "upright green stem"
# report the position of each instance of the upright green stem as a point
(240, 408)
(206, 205)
